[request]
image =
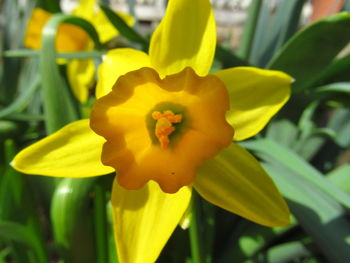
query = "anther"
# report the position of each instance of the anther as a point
(164, 126)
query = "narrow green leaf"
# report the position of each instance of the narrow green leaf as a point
(283, 131)
(22, 235)
(291, 160)
(340, 123)
(8, 129)
(337, 71)
(15, 232)
(312, 49)
(194, 231)
(123, 28)
(69, 55)
(100, 217)
(22, 100)
(339, 87)
(72, 220)
(247, 39)
(59, 104)
(340, 177)
(319, 215)
(25, 117)
(260, 39)
(249, 239)
(17, 205)
(295, 251)
(275, 29)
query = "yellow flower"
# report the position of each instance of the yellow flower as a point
(164, 120)
(162, 129)
(71, 38)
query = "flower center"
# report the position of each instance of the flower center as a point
(164, 126)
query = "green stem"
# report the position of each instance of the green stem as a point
(101, 224)
(246, 43)
(195, 238)
(209, 213)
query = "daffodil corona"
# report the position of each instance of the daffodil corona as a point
(167, 127)
(162, 129)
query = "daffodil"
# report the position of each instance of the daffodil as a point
(166, 127)
(71, 38)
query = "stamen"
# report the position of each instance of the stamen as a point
(164, 126)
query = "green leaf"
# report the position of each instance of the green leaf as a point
(72, 221)
(275, 29)
(17, 205)
(283, 131)
(100, 217)
(247, 38)
(340, 177)
(69, 55)
(312, 49)
(340, 123)
(248, 239)
(22, 100)
(59, 105)
(337, 71)
(21, 234)
(15, 232)
(274, 151)
(319, 215)
(295, 251)
(123, 28)
(339, 87)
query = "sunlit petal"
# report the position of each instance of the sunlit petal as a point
(73, 151)
(144, 220)
(235, 181)
(186, 37)
(118, 62)
(81, 75)
(255, 96)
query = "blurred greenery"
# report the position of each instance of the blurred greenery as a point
(305, 148)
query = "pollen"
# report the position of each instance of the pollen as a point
(164, 126)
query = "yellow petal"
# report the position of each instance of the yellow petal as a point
(255, 96)
(36, 23)
(73, 151)
(85, 9)
(144, 220)
(105, 29)
(235, 181)
(89, 10)
(118, 62)
(81, 75)
(186, 37)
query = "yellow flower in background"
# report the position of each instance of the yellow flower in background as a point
(71, 38)
(167, 127)
(81, 72)
(89, 10)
